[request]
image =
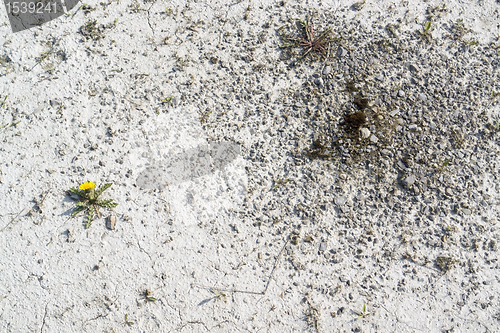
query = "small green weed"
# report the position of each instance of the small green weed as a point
(204, 118)
(3, 125)
(363, 313)
(219, 294)
(443, 166)
(167, 100)
(280, 182)
(127, 322)
(44, 55)
(494, 128)
(425, 34)
(89, 200)
(147, 296)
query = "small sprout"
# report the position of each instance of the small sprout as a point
(49, 69)
(167, 100)
(280, 182)
(168, 11)
(363, 313)
(89, 200)
(44, 55)
(443, 166)
(426, 32)
(204, 118)
(492, 129)
(127, 322)
(3, 102)
(218, 294)
(115, 21)
(147, 296)
(427, 26)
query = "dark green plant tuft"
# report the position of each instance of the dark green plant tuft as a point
(89, 200)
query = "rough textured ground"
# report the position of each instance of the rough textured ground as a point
(363, 177)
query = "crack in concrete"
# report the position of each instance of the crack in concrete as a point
(44, 317)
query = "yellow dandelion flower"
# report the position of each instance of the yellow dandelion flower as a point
(87, 186)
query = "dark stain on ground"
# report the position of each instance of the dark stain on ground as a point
(361, 103)
(355, 120)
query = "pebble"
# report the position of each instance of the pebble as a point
(365, 133)
(414, 68)
(111, 222)
(340, 201)
(327, 70)
(322, 246)
(394, 113)
(380, 77)
(401, 93)
(410, 180)
(385, 152)
(373, 138)
(341, 52)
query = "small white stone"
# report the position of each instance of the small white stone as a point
(340, 201)
(410, 180)
(365, 133)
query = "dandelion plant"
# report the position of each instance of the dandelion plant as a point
(89, 200)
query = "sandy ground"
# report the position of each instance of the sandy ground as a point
(117, 93)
